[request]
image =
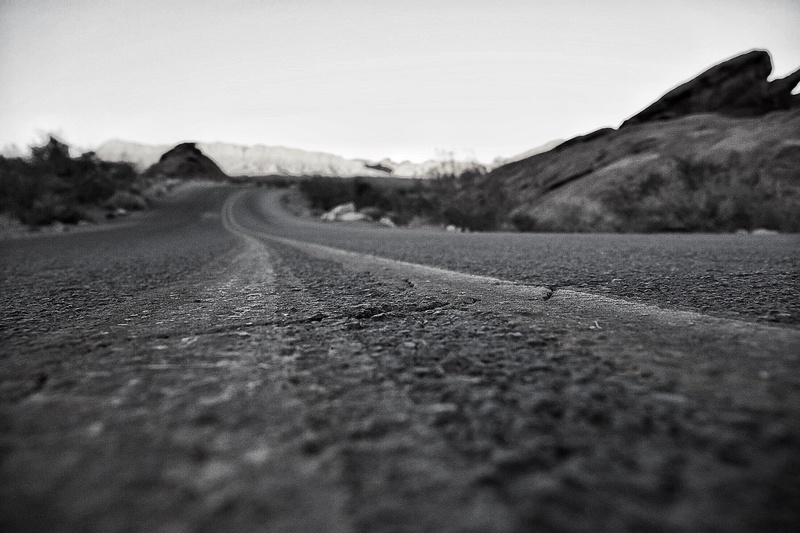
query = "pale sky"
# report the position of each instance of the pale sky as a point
(362, 78)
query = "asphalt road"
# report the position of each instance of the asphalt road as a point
(217, 364)
(750, 277)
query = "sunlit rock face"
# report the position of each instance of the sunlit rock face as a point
(737, 87)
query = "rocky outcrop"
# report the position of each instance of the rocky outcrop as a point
(737, 87)
(718, 153)
(186, 161)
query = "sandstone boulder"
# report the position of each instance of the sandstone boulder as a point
(737, 87)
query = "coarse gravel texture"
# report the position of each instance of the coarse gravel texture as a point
(186, 379)
(500, 426)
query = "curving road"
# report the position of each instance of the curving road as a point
(218, 364)
(751, 277)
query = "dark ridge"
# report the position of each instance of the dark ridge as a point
(584, 138)
(737, 87)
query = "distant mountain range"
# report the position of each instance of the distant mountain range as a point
(241, 160)
(256, 160)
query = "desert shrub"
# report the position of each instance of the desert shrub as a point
(52, 157)
(324, 193)
(93, 186)
(418, 203)
(402, 204)
(18, 189)
(470, 200)
(477, 214)
(475, 201)
(51, 186)
(51, 208)
(703, 196)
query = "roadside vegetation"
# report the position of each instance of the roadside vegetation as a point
(52, 186)
(693, 196)
(706, 197)
(403, 201)
(438, 201)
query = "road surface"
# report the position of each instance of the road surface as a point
(220, 365)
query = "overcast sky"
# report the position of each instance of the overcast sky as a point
(362, 78)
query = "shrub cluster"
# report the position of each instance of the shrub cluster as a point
(703, 196)
(694, 195)
(446, 199)
(51, 186)
(473, 201)
(401, 201)
(325, 193)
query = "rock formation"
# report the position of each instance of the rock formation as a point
(186, 161)
(737, 87)
(718, 153)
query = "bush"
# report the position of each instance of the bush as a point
(401, 203)
(474, 201)
(51, 186)
(701, 196)
(326, 193)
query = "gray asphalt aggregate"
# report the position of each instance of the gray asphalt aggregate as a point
(749, 277)
(526, 431)
(49, 280)
(169, 375)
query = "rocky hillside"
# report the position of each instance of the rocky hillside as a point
(720, 152)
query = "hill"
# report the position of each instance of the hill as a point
(185, 161)
(719, 152)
